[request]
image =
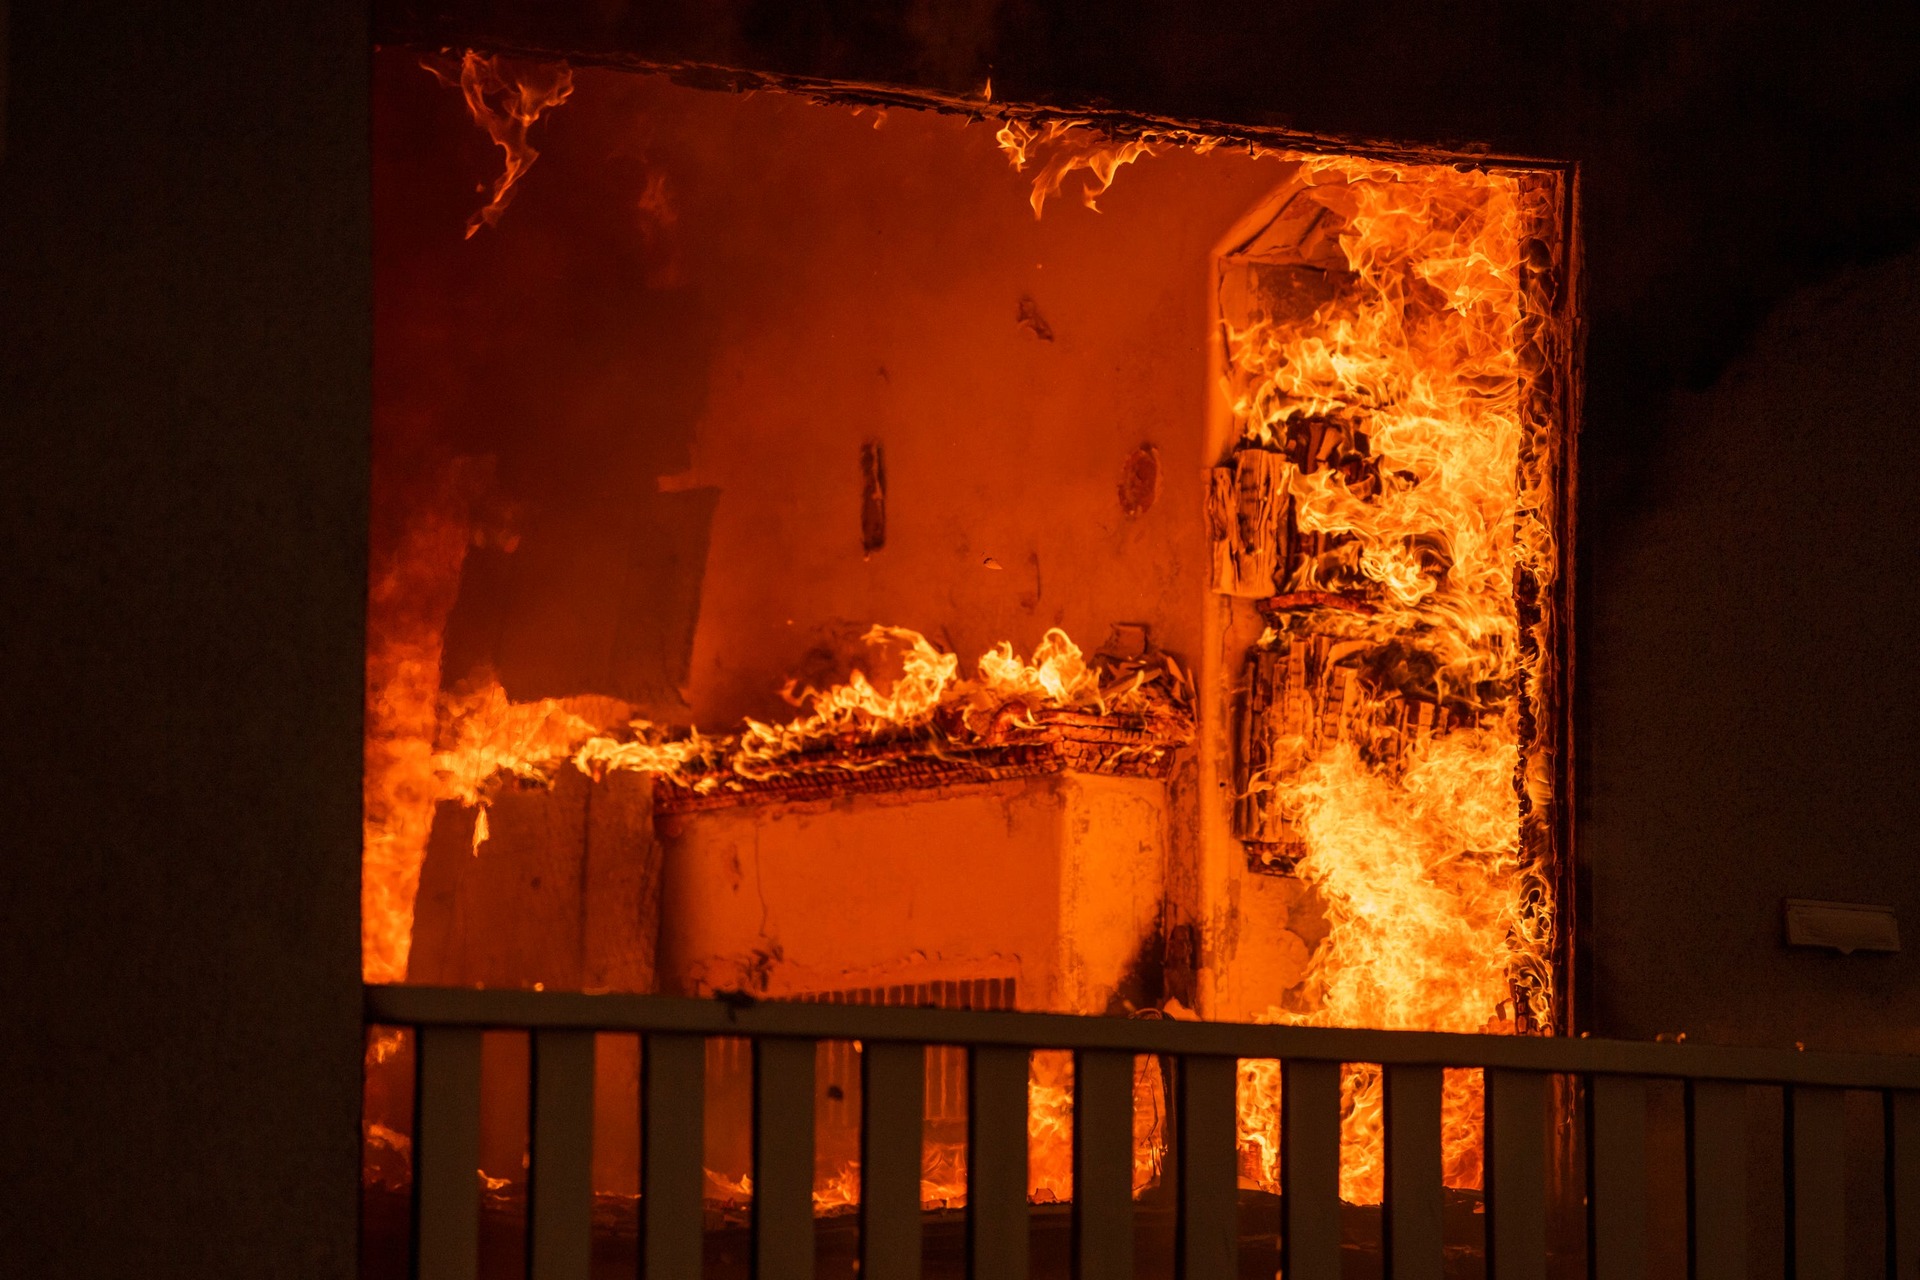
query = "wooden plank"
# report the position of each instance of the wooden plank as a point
(1556, 1055)
(673, 1074)
(1903, 1185)
(446, 1151)
(560, 1174)
(997, 1163)
(1310, 1170)
(1103, 1165)
(1717, 1179)
(1206, 1230)
(1414, 1203)
(1516, 1164)
(892, 1092)
(1617, 1177)
(783, 1159)
(1816, 1184)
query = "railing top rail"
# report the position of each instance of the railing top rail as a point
(505, 1009)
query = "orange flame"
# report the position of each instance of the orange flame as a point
(425, 746)
(1438, 919)
(410, 593)
(943, 1179)
(506, 97)
(1102, 159)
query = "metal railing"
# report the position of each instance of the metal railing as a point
(1519, 1073)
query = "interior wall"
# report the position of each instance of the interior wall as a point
(698, 311)
(184, 345)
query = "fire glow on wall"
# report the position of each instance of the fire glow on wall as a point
(838, 544)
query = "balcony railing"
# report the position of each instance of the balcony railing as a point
(1612, 1081)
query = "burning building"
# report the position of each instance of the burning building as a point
(839, 544)
(630, 456)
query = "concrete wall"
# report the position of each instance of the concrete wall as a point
(184, 342)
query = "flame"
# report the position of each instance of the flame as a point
(1438, 918)
(425, 746)
(411, 591)
(1072, 148)
(943, 1177)
(506, 97)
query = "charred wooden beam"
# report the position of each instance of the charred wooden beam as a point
(1247, 504)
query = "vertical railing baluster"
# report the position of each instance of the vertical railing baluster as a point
(997, 1164)
(1903, 1184)
(1816, 1183)
(1414, 1204)
(1310, 1170)
(783, 1071)
(560, 1173)
(1515, 1157)
(1103, 1165)
(1617, 1176)
(446, 1152)
(1206, 1229)
(673, 1071)
(893, 1094)
(1717, 1179)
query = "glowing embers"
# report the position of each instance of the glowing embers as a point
(1386, 493)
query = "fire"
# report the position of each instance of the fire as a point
(426, 746)
(1439, 919)
(410, 593)
(506, 97)
(928, 701)
(1073, 147)
(1429, 523)
(943, 1176)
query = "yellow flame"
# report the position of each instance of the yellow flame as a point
(1433, 909)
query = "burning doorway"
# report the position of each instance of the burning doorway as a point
(833, 544)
